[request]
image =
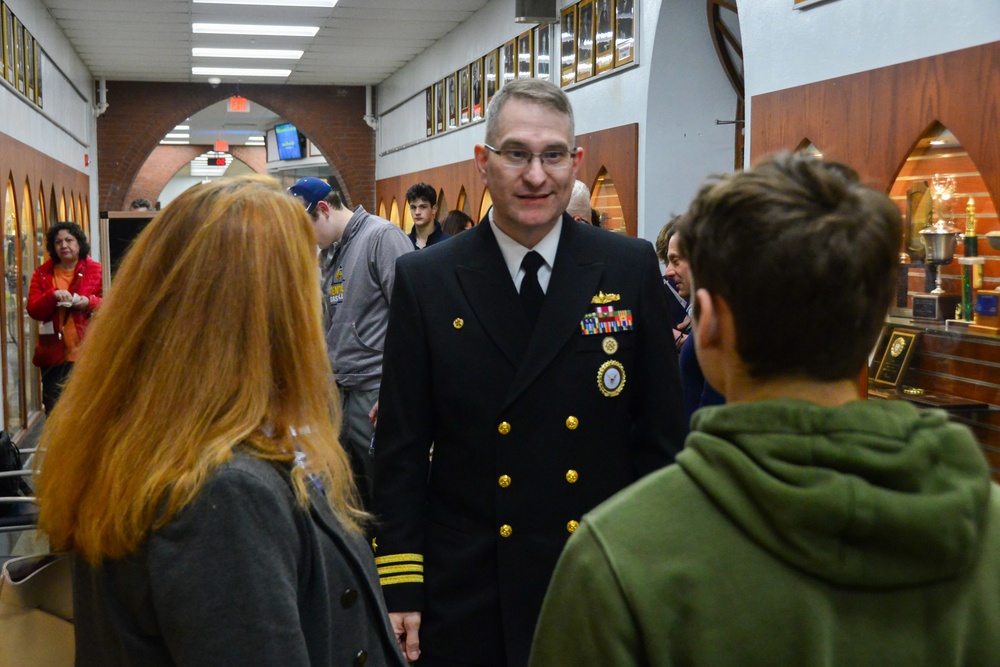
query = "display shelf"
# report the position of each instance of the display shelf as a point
(950, 368)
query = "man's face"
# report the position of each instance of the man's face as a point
(422, 212)
(678, 269)
(327, 232)
(528, 201)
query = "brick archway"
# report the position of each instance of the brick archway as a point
(141, 113)
(165, 161)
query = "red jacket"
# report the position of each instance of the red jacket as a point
(88, 282)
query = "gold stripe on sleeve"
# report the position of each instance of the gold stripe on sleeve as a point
(399, 558)
(393, 569)
(402, 579)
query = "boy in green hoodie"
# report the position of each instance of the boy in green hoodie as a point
(802, 524)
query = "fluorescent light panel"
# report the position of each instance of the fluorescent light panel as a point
(178, 135)
(181, 128)
(271, 3)
(175, 143)
(239, 71)
(275, 54)
(240, 29)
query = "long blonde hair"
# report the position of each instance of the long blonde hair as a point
(210, 338)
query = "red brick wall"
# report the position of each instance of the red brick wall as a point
(141, 113)
(166, 161)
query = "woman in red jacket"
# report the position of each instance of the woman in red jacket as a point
(65, 291)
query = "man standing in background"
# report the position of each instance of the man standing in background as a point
(422, 200)
(358, 265)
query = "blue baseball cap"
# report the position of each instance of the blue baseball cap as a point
(311, 191)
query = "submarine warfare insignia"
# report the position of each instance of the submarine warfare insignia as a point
(611, 378)
(602, 299)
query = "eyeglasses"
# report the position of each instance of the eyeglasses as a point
(519, 158)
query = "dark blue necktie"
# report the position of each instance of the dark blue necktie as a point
(531, 290)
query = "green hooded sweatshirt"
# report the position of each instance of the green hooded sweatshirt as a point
(790, 534)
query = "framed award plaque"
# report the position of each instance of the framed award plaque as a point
(451, 100)
(439, 110)
(624, 32)
(490, 80)
(525, 56)
(604, 36)
(29, 66)
(508, 69)
(899, 347)
(585, 40)
(476, 88)
(429, 99)
(38, 74)
(19, 54)
(9, 67)
(464, 111)
(567, 46)
(543, 34)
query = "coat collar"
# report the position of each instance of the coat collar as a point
(490, 292)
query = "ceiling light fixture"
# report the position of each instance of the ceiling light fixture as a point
(271, 3)
(937, 142)
(179, 135)
(268, 30)
(170, 142)
(240, 71)
(181, 128)
(273, 54)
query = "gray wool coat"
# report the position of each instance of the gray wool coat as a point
(241, 576)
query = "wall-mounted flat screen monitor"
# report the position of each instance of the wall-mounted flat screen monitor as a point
(290, 143)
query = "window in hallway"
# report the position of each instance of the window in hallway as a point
(605, 199)
(485, 206)
(11, 322)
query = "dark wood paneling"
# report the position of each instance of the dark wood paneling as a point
(23, 164)
(872, 120)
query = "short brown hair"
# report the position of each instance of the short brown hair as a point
(805, 256)
(663, 238)
(538, 91)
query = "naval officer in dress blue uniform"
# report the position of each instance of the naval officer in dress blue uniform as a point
(536, 354)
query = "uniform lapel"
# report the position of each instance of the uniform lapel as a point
(489, 290)
(574, 281)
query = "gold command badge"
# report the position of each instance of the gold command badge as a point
(610, 345)
(458, 323)
(611, 378)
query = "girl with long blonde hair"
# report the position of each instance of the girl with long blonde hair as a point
(170, 466)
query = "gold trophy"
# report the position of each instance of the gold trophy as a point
(939, 242)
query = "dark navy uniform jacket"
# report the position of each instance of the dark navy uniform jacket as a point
(530, 428)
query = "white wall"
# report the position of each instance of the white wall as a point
(784, 47)
(65, 128)
(680, 142)
(675, 94)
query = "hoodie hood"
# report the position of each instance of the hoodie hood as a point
(871, 494)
